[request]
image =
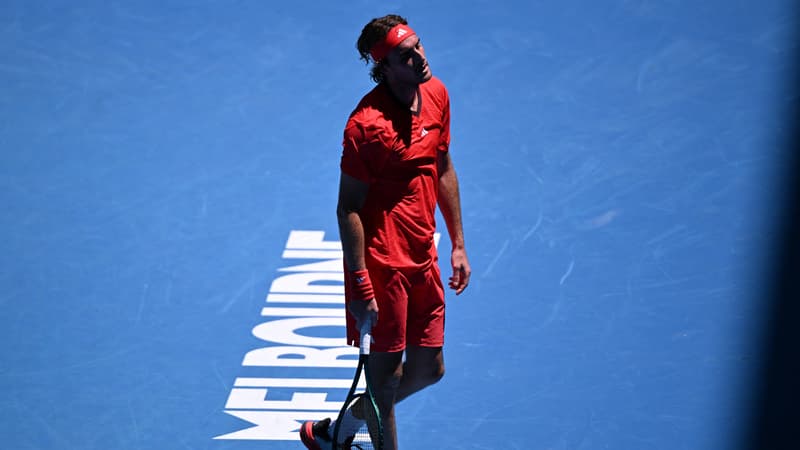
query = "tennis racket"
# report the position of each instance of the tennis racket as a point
(363, 412)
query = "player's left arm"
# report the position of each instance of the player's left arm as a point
(450, 205)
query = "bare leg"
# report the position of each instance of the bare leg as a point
(424, 366)
(393, 381)
(386, 373)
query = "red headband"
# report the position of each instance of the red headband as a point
(393, 38)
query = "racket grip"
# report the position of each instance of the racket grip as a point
(366, 337)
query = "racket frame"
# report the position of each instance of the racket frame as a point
(363, 366)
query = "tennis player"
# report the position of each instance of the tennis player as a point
(395, 169)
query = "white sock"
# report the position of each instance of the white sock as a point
(350, 424)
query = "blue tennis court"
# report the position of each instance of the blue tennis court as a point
(171, 273)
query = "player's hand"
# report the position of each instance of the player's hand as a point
(363, 310)
(461, 271)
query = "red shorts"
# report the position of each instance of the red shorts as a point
(411, 310)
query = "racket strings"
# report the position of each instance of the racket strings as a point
(361, 427)
(354, 429)
(372, 420)
(361, 441)
(350, 422)
(368, 437)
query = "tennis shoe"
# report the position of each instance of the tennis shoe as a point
(315, 436)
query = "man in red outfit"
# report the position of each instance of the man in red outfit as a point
(395, 170)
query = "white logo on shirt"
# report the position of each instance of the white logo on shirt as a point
(423, 132)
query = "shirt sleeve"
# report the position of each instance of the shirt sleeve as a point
(354, 160)
(444, 137)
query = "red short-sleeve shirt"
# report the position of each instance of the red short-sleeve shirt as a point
(395, 151)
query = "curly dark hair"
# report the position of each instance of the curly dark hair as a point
(374, 32)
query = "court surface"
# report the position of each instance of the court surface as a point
(168, 180)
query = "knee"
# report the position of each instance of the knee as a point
(429, 375)
(386, 388)
(436, 373)
(425, 371)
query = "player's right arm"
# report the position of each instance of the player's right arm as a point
(352, 195)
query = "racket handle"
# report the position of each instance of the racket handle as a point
(366, 337)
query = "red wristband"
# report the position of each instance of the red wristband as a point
(360, 285)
